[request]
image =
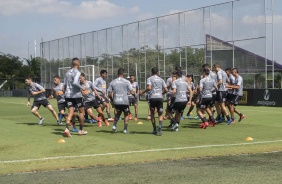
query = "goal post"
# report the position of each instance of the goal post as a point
(88, 70)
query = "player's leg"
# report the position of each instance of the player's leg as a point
(117, 116)
(136, 110)
(51, 109)
(34, 111)
(190, 110)
(160, 113)
(102, 117)
(81, 110)
(126, 113)
(70, 106)
(200, 111)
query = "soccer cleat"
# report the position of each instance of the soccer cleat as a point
(154, 132)
(94, 121)
(99, 124)
(212, 124)
(149, 118)
(74, 130)
(130, 116)
(229, 121)
(188, 116)
(107, 123)
(177, 130)
(82, 132)
(59, 122)
(242, 117)
(111, 120)
(114, 128)
(41, 121)
(201, 125)
(182, 118)
(135, 119)
(67, 133)
(125, 131)
(175, 126)
(159, 131)
(206, 124)
(196, 117)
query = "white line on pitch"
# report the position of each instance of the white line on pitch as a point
(140, 151)
(13, 103)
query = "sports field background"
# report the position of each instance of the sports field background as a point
(25, 146)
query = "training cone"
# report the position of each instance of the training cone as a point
(61, 141)
(140, 123)
(249, 139)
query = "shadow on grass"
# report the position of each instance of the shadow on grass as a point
(28, 123)
(194, 124)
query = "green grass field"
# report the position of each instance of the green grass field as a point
(25, 146)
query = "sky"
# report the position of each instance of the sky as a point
(22, 21)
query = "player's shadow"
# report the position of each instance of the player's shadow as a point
(58, 132)
(194, 124)
(29, 124)
(106, 131)
(139, 132)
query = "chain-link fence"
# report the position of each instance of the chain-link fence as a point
(232, 34)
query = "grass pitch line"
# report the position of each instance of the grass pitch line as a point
(140, 151)
(13, 103)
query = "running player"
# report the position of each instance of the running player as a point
(133, 100)
(100, 85)
(236, 96)
(156, 85)
(168, 112)
(207, 85)
(221, 93)
(229, 96)
(57, 91)
(90, 100)
(37, 92)
(118, 89)
(180, 88)
(74, 97)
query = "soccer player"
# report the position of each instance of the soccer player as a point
(133, 100)
(207, 85)
(236, 96)
(90, 100)
(229, 96)
(168, 112)
(100, 85)
(37, 92)
(221, 93)
(74, 97)
(180, 88)
(58, 92)
(156, 85)
(118, 89)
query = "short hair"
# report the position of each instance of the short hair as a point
(235, 69)
(73, 60)
(206, 65)
(103, 71)
(82, 74)
(188, 76)
(154, 70)
(177, 68)
(120, 71)
(28, 77)
(179, 73)
(217, 65)
(56, 76)
(174, 73)
(228, 69)
(206, 71)
(132, 75)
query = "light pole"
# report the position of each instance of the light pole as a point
(28, 49)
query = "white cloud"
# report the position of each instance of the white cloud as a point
(250, 20)
(93, 9)
(145, 16)
(174, 11)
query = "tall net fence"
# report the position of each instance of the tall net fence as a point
(232, 34)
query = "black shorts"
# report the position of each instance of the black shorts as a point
(122, 108)
(132, 101)
(220, 96)
(179, 106)
(234, 99)
(213, 99)
(37, 104)
(72, 102)
(62, 106)
(91, 104)
(102, 100)
(156, 103)
(204, 103)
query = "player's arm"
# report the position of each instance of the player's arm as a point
(52, 94)
(28, 98)
(173, 86)
(165, 90)
(95, 91)
(238, 85)
(42, 90)
(96, 84)
(148, 88)
(215, 86)
(191, 95)
(76, 82)
(219, 76)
